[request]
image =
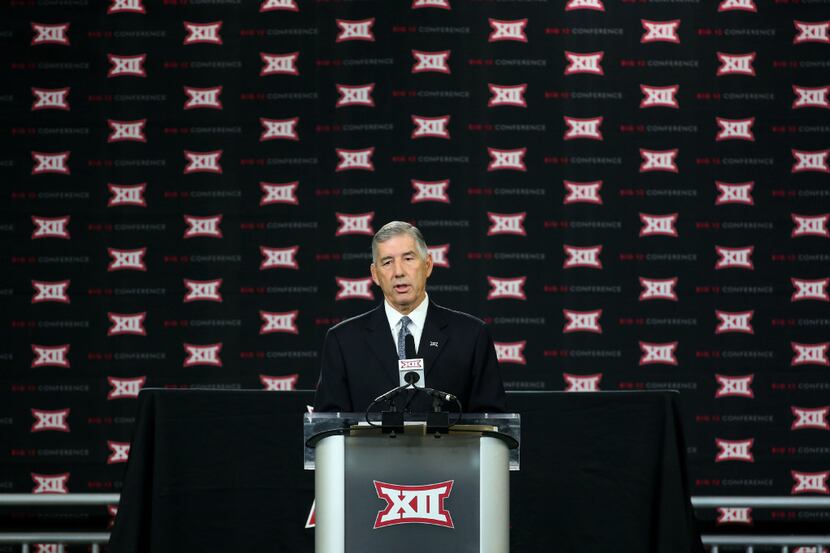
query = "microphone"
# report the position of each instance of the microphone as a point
(439, 394)
(391, 393)
(411, 369)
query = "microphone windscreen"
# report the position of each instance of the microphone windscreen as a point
(409, 346)
(412, 377)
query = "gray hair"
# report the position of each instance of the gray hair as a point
(396, 228)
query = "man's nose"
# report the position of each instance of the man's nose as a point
(399, 267)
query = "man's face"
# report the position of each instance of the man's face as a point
(401, 273)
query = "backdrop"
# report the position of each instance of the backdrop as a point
(633, 194)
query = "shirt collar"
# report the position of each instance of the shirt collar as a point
(418, 315)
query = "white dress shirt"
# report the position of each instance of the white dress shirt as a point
(416, 327)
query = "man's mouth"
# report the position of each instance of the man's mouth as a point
(401, 288)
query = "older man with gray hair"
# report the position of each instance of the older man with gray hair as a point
(360, 355)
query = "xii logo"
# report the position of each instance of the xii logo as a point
(414, 504)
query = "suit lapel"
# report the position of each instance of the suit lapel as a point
(379, 339)
(433, 338)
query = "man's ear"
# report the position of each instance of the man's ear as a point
(373, 271)
(429, 264)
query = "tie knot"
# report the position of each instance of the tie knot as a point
(405, 322)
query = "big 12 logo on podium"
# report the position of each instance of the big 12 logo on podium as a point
(422, 504)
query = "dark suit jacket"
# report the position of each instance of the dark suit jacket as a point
(360, 362)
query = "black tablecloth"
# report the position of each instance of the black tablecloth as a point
(222, 471)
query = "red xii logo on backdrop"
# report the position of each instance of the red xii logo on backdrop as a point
(506, 223)
(125, 260)
(735, 450)
(583, 192)
(126, 6)
(414, 504)
(811, 97)
(203, 33)
(279, 383)
(511, 288)
(203, 98)
(512, 160)
(275, 5)
(734, 386)
(355, 30)
(659, 96)
(125, 388)
(810, 289)
(660, 31)
(734, 515)
(50, 483)
(431, 127)
(51, 291)
(279, 64)
(50, 227)
(127, 131)
(736, 64)
(595, 5)
(202, 355)
(440, 255)
(737, 5)
(279, 129)
(582, 257)
(443, 4)
(50, 98)
(507, 30)
(279, 193)
(354, 288)
(810, 482)
(202, 290)
(50, 34)
(119, 452)
(50, 420)
(511, 352)
(430, 191)
(355, 224)
(279, 321)
(658, 354)
(351, 160)
(50, 356)
(812, 32)
(582, 383)
(436, 62)
(735, 193)
(50, 163)
(807, 225)
(355, 95)
(127, 194)
(126, 66)
(589, 63)
(507, 95)
(126, 324)
(810, 418)
(810, 354)
(202, 162)
(582, 321)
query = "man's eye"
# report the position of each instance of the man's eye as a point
(386, 263)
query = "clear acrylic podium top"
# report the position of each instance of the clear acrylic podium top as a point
(504, 423)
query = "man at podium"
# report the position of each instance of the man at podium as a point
(360, 355)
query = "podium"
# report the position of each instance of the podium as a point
(413, 491)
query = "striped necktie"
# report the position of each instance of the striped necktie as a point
(402, 334)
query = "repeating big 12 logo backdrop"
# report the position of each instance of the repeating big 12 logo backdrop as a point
(633, 194)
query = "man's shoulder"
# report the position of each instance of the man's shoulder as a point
(358, 322)
(454, 316)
